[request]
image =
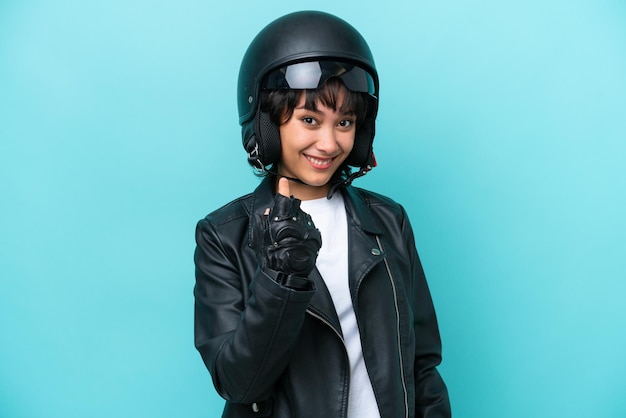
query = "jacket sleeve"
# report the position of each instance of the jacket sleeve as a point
(431, 394)
(245, 327)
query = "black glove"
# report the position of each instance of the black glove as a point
(291, 241)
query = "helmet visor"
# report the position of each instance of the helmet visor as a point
(313, 74)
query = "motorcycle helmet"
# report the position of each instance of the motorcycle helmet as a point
(302, 50)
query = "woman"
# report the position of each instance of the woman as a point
(310, 297)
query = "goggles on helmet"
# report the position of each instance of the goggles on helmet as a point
(313, 74)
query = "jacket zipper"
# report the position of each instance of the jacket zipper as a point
(395, 301)
(345, 350)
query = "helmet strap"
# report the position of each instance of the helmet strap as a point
(345, 183)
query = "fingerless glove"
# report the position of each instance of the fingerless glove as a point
(291, 240)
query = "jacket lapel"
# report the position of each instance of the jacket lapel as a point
(363, 250)
(322, 303)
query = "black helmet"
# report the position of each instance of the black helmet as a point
(302, 50)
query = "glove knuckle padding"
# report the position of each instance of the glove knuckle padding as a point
(291, 239)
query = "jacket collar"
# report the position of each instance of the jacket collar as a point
(358, 210)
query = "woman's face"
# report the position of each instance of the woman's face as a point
(314, 145)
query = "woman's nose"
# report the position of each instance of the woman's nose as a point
(327, 140)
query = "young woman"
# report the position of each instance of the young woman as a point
(310, 297)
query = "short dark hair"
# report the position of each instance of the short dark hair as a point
(280, 104)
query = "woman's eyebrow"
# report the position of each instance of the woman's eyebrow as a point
(348, 112)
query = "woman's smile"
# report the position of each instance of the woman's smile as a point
(320, 163)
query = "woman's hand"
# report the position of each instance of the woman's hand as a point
(291, 241)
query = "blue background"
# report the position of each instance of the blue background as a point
(502, 130)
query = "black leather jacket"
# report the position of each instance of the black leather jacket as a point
(277, 352)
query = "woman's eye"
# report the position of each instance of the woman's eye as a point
(346, 123)
(308, 120)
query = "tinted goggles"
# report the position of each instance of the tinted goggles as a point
(313, 74)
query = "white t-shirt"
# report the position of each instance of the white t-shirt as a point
(330, 218)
